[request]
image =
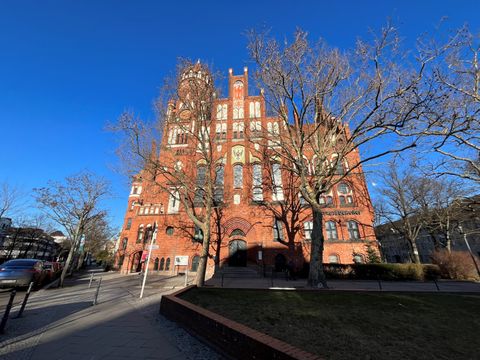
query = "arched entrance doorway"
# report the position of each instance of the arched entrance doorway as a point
(136, 264)
(280, 262)
(237, 253)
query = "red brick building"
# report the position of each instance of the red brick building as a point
(248, 233)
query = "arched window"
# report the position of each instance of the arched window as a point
(353, 231)
(162, 264)
(252, 109)
(307, 228)
(148, 234)
(219, 112)
(169, 230)
(257, 109)
(167, 264)
(277, 230)
(237, 176)
(333, 259)
(337, 163)
(200, 185)
(195, 261)
(237, 232)
(219, 176)
(331, 228)
(257, 182)
(345, 194)
(140, 234)
(155, 264)
(277, 194)
(124, 243)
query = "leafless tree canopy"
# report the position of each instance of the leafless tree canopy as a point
(331, 104)
(74, 205)
(184, 111)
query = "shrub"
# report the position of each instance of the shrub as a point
(456, 265)
(337, 271)
(395, 271)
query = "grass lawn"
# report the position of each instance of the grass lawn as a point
(346, 325)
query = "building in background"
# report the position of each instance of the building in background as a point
(249, 235)
(28, 243)
(464, 228)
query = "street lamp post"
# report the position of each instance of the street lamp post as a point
(152, 240)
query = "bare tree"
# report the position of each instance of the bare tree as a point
(73, 204)
(331, 104)
(192, 175)
(454, 120)
(404, 204)
(10, 199)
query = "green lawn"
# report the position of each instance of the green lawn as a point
(345, 325)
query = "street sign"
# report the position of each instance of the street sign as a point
(155, 247)
(181, 260)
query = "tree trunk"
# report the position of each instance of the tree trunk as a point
(80, 260)
(202, 265)
(414, 255)
(316, 276)
(70, 256)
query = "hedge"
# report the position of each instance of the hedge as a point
(382, 271)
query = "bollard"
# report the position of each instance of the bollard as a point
(379, 283)
(436, 284)
(95, 302)
(90, 283)
(25, 299)
(7, 311)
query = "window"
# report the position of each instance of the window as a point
(255, 128)
(162, 264)
(155, 264)
(218, 191)
(167, 264)
(222, 112)
(124, 243)
(237, 232)
(302, 200)
(331, 228)
(237, 176)
(257, 109)
(133, 205)
(343, 188)
(257, 182)
(338, 165)
(169, 230)
(140, 234)
(120, 260)
(199, 191)
(333, 259)
(174, 202)
(252, 110)
(148, 234)
(238, 129)
(277, 182)
(129, 224)
(345, 194)
(277, 230)
(353, 230)
(307, 228)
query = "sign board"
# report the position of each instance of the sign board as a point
(155, 247)
(144, 255)
(181, 260)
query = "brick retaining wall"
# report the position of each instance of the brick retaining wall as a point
(234, 339)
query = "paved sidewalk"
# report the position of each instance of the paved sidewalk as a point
(63, 324)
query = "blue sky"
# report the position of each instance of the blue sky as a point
(69, 67)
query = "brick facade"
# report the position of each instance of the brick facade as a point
(243, 220)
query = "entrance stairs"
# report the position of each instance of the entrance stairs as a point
(245, 272)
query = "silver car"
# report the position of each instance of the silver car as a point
(20, 272)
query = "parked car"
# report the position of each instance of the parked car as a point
(52, 269)
(20, 272)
